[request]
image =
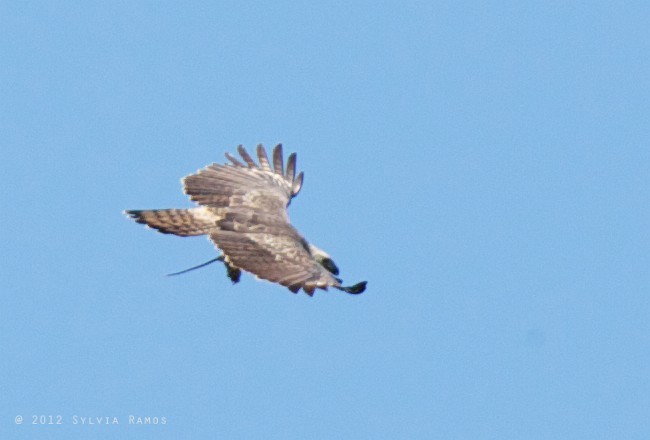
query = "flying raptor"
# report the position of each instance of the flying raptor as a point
(243, 210)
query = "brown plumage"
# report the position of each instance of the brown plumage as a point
(243, 210)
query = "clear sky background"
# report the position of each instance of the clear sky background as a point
(484, 167)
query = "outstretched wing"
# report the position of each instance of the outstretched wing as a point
(251, 186)
(252, 226)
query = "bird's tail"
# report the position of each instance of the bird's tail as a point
(183, 222)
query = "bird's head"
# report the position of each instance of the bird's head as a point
(323, 259)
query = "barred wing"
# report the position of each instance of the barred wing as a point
(252, 186)
(252, 225)
(277, 258)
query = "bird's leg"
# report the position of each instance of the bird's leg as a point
(355, 290)
(234, 273)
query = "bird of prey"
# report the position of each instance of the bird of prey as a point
(243, 210)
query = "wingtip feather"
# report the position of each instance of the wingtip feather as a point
(247, 158)
(234, 161)
(297, 184)
(291, 168)
(263, 158)
(278, 162)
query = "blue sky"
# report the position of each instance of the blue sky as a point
(484, 167)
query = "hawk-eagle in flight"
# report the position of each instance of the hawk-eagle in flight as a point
(243, 210)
